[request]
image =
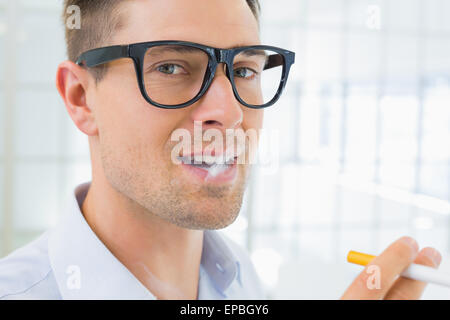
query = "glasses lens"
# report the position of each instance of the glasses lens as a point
(174, 74)
(257, 75)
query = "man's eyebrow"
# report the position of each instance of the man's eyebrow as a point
(255, 52)
(181, 48)
(171, 48)
(155, 51)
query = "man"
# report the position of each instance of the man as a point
(143, 228)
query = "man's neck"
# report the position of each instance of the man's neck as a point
(163, 257)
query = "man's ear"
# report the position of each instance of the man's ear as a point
(72, 83)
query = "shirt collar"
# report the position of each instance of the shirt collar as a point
(84, 267)
(219, 261)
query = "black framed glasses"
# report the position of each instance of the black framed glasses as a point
(176, 74)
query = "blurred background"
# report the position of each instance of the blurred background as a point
(363, 126)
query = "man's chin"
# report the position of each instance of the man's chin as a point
(206, 212)
(206, 221)
(212, 206)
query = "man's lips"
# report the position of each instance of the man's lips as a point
(216, 173)
(211, 166)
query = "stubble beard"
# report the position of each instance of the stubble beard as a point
(162, 193)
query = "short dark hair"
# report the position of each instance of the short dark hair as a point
(100, 20)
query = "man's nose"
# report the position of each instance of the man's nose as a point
(218, 108)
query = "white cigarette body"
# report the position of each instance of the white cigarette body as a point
(426, 274)
(414, 271)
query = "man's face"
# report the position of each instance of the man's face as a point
(134, 139)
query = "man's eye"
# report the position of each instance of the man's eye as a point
(170, 69)
(244, 73)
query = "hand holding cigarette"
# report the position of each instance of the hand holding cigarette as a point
(394, 269)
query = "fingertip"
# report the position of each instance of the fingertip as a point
(411, 243)
(433, 255)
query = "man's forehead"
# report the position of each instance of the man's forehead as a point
(140, 21)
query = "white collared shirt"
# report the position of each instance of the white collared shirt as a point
(70, 262)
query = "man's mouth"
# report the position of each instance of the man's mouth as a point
(211, 168)
(214, 166)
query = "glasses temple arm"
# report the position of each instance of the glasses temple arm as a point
(95, 57)
(273, 61)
